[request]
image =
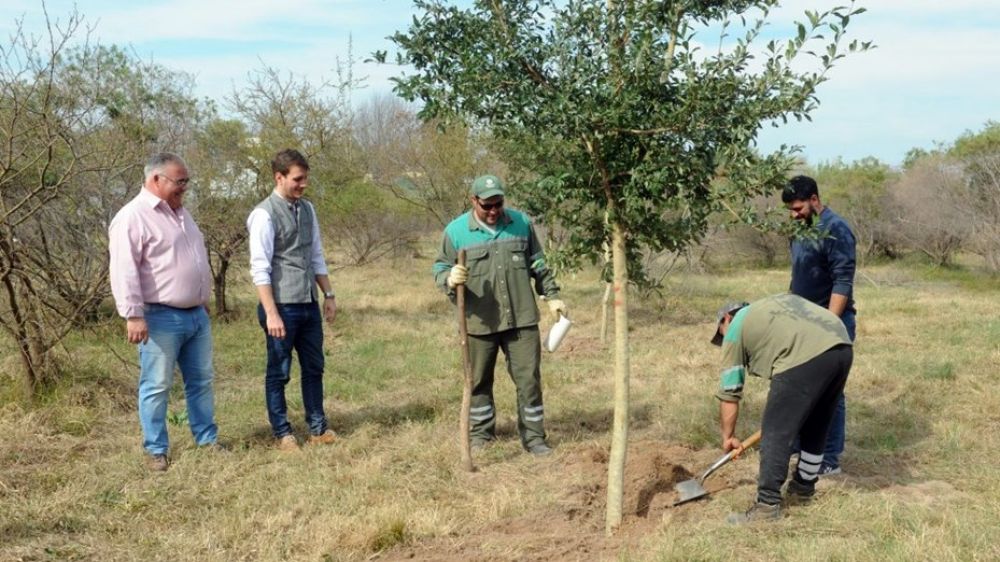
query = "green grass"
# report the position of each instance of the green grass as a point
(921, 436)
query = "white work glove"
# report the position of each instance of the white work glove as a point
(458, 275)
(557, 307)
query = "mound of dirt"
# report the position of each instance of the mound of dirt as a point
(575, 531)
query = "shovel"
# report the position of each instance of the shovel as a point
(693, 489)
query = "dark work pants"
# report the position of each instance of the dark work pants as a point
(801, 403)
(523, 350)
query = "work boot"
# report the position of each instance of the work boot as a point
(799, 493)
(757, 512)
(479, 443)
(325, 438)
(287, 443)
(539, 449)
(157, 463)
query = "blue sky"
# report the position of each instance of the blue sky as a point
(934, 75)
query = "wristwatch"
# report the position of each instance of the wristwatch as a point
(328, 294)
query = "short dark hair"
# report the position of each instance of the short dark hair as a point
(284, 160)
(799, 188)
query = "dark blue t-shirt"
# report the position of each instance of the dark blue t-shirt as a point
(825, 265)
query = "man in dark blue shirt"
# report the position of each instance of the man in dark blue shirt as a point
(823, 272)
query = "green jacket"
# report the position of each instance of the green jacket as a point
(498, 295)
(772, 335)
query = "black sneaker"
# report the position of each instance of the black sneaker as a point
(757, 512)
(798, 493)
(539, 449)
(829, 470)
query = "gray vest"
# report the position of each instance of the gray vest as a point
(292, 277)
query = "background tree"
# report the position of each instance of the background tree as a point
(422, 163)
(227, 185)
(75, 126)
(978, 200)
(281, 110)
(927, 217)
(616, 121)
(859, 191)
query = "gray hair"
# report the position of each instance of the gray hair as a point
(160, 160)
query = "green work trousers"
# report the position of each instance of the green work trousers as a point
(522, 348)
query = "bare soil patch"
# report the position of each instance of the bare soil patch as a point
(574, 530)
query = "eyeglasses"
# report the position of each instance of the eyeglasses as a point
(183, 182)
(489, 206)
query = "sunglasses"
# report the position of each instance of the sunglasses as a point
(489, 206)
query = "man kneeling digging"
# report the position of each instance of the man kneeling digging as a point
(806, 353)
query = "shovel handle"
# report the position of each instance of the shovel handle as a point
(465, 448)
(746, 444)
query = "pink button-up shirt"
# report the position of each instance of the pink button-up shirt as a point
(157, 256)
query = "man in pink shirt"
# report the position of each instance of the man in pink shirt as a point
(161, 281)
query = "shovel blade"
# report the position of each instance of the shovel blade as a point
(689, 490)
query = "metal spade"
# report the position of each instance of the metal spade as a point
(693, 489)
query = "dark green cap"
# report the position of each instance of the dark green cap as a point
(487, 186)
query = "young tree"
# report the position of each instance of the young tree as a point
(619, 119)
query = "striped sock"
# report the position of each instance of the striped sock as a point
(808, 467)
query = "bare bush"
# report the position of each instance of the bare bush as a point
(926, 214)
(74, 126)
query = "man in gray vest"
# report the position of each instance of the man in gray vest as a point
(287, 262)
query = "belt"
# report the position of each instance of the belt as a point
(184, 309)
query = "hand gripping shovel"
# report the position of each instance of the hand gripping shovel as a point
(693, 489)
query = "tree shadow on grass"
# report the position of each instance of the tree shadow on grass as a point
(386, 417)
(585, 425)
(878, 443)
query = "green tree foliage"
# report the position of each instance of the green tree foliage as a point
(617, 118)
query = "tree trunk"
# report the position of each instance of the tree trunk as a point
(220, 287)
(619, 437)
(605, 311)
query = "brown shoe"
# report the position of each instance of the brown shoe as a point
(324, 438)
(757, 512)
(288, 443)
(157, 463)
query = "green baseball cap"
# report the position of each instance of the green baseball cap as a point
(487, 186)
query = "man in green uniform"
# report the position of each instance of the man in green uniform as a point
(503, 257)
(806, 353)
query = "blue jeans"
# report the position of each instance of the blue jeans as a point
(304, 334)
(182, 338)
(835, 436)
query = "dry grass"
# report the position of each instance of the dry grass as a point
(922, 429)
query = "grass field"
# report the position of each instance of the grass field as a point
(921, 481)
